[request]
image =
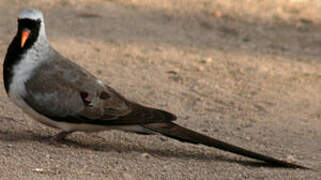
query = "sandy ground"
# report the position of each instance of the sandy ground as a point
(247, 72)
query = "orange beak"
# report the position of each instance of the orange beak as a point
(24, 36)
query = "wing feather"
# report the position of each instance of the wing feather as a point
(63, 91)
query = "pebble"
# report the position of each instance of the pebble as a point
(37, 170)
(290, 159)
(146, 155)
(208, 60)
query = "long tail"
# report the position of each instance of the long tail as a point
(180, 133)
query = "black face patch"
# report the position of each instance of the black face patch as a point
(15, 52)
(33, 26)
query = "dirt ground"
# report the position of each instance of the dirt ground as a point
(246, 72)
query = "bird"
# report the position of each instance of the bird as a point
(61, 94)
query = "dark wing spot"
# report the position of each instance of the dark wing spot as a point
(84, 96)
(104, 95)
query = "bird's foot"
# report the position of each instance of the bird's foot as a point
(58, 137)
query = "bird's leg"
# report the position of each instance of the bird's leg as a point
(60, 136)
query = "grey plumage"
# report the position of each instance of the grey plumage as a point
(61, 94)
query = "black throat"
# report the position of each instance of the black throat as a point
(15, 52)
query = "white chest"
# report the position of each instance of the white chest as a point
(21, 73)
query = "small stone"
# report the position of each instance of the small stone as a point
(172, 72)
(37, 170)
(9, 145)
(290, 159)
(146, 155)
(207, 60)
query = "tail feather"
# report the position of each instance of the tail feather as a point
(177, 132)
